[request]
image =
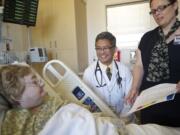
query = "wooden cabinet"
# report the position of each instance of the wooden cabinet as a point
(56, 29)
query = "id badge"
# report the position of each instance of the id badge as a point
(177, 40)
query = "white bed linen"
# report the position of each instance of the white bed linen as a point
(72, 119)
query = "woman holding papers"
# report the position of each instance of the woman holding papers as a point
(158, 61)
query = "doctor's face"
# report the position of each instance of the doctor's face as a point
(105, 51)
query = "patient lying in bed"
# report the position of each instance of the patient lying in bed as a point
(27, 110)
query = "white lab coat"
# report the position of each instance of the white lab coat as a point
(111, 94)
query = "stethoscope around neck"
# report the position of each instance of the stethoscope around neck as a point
(100, 82)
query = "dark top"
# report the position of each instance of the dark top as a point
(166, 113)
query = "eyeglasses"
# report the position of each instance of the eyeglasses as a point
(35, 83)
(159, 9)
(104, 49)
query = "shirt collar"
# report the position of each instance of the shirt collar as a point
(103, 67)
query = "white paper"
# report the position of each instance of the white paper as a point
(153, 95)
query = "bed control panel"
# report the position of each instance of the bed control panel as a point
(78, 93)
(92, 106)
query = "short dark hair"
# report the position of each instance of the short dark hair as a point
(106, 35)
(170, 1)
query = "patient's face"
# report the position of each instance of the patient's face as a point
(33, 93)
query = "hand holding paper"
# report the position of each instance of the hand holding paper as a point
(156, 94)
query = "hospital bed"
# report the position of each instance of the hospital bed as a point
(66, 84)
(72, 119)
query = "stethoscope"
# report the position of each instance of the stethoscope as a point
(100, 83)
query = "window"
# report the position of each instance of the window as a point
(128, 22)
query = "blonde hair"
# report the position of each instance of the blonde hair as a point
(11, 85)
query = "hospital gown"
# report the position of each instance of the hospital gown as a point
(20, 121)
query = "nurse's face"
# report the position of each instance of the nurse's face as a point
(33, 92)
(163, 12)
(105, 51)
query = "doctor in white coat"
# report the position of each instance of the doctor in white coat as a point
(109, 79)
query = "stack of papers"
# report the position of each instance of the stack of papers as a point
(156, 94)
